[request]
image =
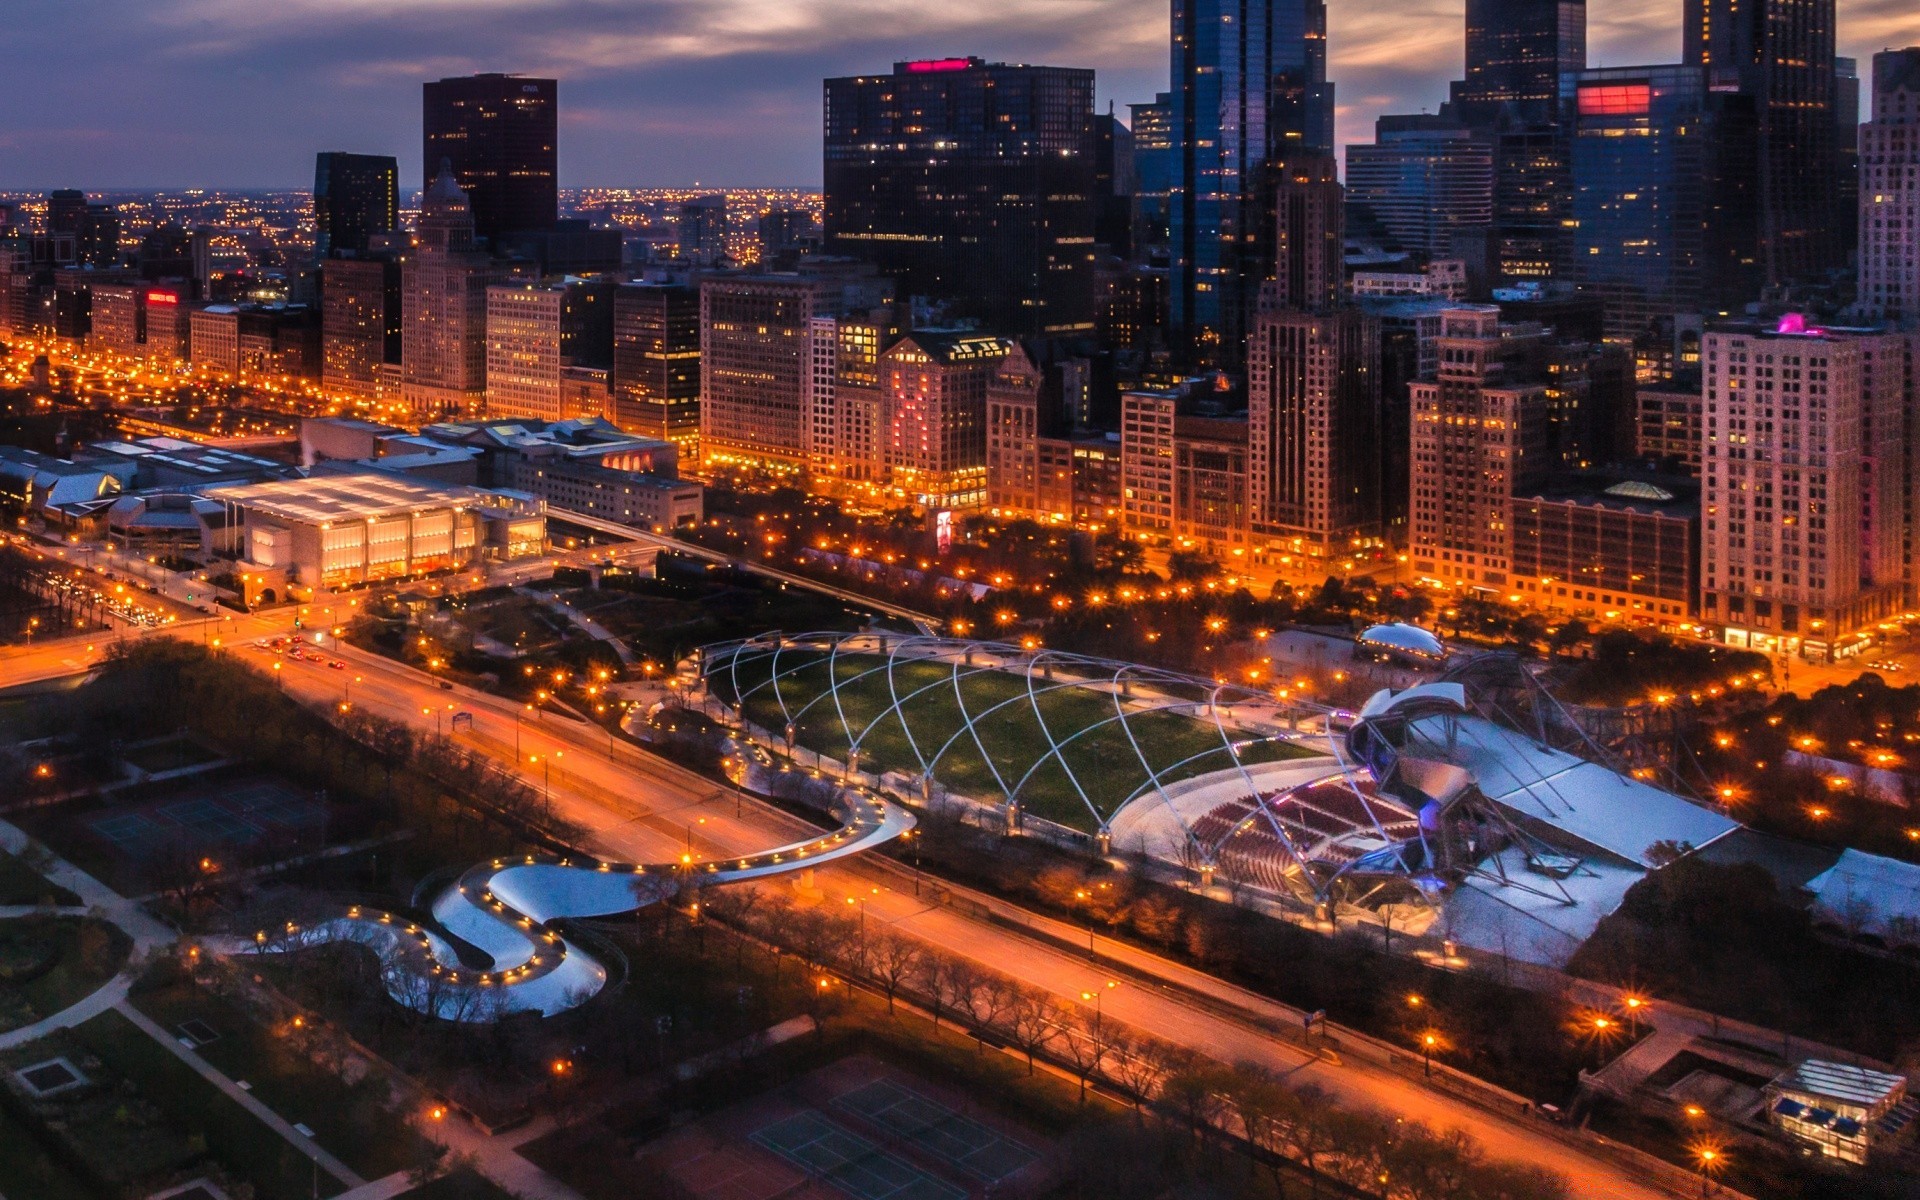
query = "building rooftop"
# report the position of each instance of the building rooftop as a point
(1842, 1081)
(324, 499)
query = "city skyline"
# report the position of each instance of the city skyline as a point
(724, 95)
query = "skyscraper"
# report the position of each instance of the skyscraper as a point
(1309, 263)
(656, 363)
(1780, 52)
(1801, 481)
(95, 228)
(1663, 203)
(1890, 191)
(1249, 88)
(1516, 52)
(1153, 155)
(1480, 436)
(443, 323)
(523, 350)
(703, 229)
(354, 197)
(969, 181)
(1314, 429)
(360, 312)
(501, 135)
(1426, 182)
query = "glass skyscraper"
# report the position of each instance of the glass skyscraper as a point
(355, 196)
(1249, 89)
(501, 136)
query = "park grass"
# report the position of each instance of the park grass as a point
(21, 884)
(353, 1121)
(172, 754)
(27, 1170)
(1104, 767)
(87, 954)
(232, 1134)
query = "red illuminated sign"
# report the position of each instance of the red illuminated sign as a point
(1616, 100)
(162, 298)
(926, 65)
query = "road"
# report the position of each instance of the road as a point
(640, 808)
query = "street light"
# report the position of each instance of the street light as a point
(1096, 997)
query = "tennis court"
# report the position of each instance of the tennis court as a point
(981, 1152)
(829, 1151)
(235, 814)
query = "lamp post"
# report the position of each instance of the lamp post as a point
(1096, 997)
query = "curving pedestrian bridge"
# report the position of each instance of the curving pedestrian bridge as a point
(505, 909)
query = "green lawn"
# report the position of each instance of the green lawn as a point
(26, 1170)
(21, 884)
(170, 755)
(352, 1121)
(232, 1134)
(1106, 763)
(86, 953)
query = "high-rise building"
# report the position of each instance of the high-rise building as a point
(1780, 53)
(1801, 483)
(1153, 163)
(1113, 184)
(1314, 430)
(355, 197)
(971, 182)
(1664, 202)
(1890, 191)
(755, 341)
(95, 228)
(523, 351)
(360, 320)
(656, 363)
(1480, 437)
(1309, 250)
(1249, 88)
(1846, 153)
(1426, 181)
(934, 392)
(1516, 52)
(841, 402)
(501, 135)
(443, 321)
(785, 231)
(703, 229)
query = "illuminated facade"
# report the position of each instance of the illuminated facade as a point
(523, 351)
(656, 362)
(1480, 437)
(1617, 550)
(443, 324)
(359, 323)
(934, 393)
(1802, 480)
(1890, 191)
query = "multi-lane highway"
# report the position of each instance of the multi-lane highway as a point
(637, 807)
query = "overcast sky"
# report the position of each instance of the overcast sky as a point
(241, 93)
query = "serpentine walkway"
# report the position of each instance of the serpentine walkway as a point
(503, 908)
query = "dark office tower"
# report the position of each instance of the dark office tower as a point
(355, 196)
(1113, 184)
(1663, 171)
(1516, 52)
(1890, 192)
(656, 363)
(1315, 438)
(703, 229)
(1249, 88)
(501, 133)
(1426, 182)
(66, 210)
(972, 182)
(1780, 52)
(1153, 150)
(785, 231)
(1309, 235)
(1846, 150)
(360, 308)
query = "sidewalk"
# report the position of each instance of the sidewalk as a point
(267, 1116)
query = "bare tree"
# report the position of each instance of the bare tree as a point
(1141, 1062)
(893, 961)
(1086, 1043)
(1033, 1021)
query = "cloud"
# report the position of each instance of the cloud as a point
(243, 92)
